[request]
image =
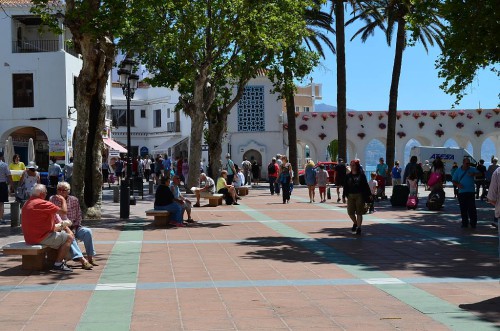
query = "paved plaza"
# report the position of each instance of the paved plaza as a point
(265, 265)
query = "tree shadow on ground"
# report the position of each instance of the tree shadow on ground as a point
(429, 244)
(488, 309)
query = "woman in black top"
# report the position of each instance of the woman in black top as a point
(357, 191)
(164, 200)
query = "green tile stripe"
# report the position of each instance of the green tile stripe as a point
(112, 309)
(430, 305)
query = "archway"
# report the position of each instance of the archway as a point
(406, 157)
(487, 151)
(373, 152)
(253, 155)
(20, 139)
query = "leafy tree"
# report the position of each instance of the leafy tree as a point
(205, 47)
(295, 65)
(421, 19)
(94, 26)
(471, 42)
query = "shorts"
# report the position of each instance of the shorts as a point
(355, 204)
(55, 239)
(4, 192)
(322, 189)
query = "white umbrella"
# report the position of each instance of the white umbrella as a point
(9, 150)
(31, 151)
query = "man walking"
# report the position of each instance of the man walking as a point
(494, 197)
(272, 174)
(231, 171)
(463, 178)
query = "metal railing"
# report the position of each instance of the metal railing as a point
(38, 46)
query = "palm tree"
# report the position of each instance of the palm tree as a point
(317, 22)
(338, 8)
(423, 20)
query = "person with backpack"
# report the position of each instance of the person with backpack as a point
(272, 174)
(413, 167)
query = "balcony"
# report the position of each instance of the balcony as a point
(39, 46)
(173, 126)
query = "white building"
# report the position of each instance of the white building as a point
(155, 127)
(37, 72)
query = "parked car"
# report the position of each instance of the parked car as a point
(329, 166)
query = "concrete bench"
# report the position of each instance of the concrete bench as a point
(242, 190)
(160, 216)
(215, 200)
(34, 257)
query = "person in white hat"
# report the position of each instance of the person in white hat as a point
(28, 180)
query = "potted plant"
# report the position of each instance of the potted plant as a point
(421, 124)
(478, 132)
(416, 115)
(433, 114)
(479, 111)
(303, 127)
(361, 135)
(305, 117)
(333, 114)
(407, 113)
(381, 116)
(497, 124)
(401, 134)
(398, 115)
(360, 116)
(350, 114)
(470, 116)
(424, 113)
(497, 110)
(382, 126)
(489, 115)
(439, 133)
(322, 135)
(324, 116)
(369, 113)
(314, 114)
(461, 113)
(453, 114)
(460, 125)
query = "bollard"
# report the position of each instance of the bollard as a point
(14, 214)
(116, 194)
(151, 187)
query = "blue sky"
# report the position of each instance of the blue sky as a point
(369, 70)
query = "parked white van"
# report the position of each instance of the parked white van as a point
(447, 154)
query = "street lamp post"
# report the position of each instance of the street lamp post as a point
(128, 82)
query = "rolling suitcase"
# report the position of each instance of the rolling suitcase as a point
(400, 195)
(412, 202)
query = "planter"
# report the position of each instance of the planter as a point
(439, 133)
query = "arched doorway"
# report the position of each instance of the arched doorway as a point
(20, 140)
(253, 155)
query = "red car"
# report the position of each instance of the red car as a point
(329, 166)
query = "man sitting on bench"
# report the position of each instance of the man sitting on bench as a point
(38, 224)
(205, 191)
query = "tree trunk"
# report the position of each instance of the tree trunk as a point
(393, 95)
(292, 126)
(98, 57)
(217, 127)
(341, 79)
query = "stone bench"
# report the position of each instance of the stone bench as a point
(34, 257)
(161, 217)
(215, 200)
(242, 190)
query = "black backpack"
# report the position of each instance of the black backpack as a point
(271, 169)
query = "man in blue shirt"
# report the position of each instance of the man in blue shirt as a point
(463, 178)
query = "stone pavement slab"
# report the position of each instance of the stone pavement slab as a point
(265, 265)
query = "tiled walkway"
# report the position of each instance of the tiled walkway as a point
(264, 265)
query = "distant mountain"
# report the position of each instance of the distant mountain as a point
(323, 107)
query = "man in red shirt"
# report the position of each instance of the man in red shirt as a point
(38, 224)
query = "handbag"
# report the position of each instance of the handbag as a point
(21, 193)
(434, 178)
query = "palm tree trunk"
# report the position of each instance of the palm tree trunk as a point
(341, 79)
(292, 128)
(393, 95)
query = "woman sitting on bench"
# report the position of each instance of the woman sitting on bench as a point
(227, 190)
(164, 200)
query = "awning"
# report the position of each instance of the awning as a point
(169, 143)
(114, 145)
